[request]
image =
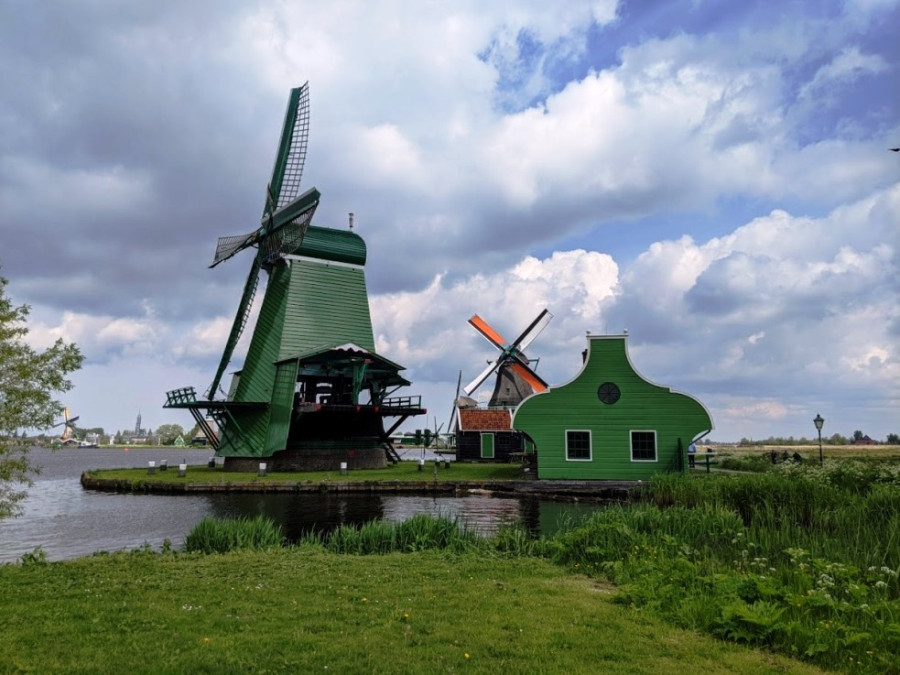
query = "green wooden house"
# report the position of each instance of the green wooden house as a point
(609, 423)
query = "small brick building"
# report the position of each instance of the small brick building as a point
(487, 434)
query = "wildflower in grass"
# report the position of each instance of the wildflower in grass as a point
(466, 655)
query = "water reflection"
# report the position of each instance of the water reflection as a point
(68, 521)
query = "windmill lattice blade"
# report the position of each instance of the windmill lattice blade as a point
(530, 333)
(487, 332)
(291, 156)
(240, 320)
(531, 377)
(485, 374)
(288, 226)
(450, 427)
(229, 246)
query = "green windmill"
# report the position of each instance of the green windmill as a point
(312, 393)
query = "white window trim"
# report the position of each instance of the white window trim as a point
(590, 456)
(631, 445)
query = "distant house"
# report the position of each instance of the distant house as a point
(487, 434)
(865, 440)
(610, 423)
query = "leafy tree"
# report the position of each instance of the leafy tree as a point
(893, 439)
(28, 381)
(857, 435)
(167, 433)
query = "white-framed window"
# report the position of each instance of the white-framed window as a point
(578, 445)
(643, 445)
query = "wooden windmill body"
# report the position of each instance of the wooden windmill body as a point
(312, 393)
(486, 433)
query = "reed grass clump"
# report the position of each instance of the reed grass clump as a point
(420, 533)
(220, 535)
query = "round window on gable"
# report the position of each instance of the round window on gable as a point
(608, 393)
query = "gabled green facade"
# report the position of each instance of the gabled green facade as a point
(609, 423)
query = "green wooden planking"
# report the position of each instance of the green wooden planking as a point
(327, 306)
(249, 443)
(642, 406)
(281, 406)
(325, 243)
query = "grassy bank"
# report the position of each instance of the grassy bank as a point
(308, 610)
(801, 559)
(798, 559)
(403, 471)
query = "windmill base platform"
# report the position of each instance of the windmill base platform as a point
(317, 459)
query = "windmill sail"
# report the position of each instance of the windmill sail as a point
(284, 221)
(237, 327)
(228, 246)
(288, 169)
(515, 375)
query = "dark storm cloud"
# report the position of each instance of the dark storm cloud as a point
(128, 146)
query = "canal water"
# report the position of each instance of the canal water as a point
(67, 521)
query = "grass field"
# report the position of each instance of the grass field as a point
(810, 452)
(306, 610)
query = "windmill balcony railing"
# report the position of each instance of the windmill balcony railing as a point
(398, 405)
(180, 396)
(402, 403)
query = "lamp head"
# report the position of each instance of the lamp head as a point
(818, 421)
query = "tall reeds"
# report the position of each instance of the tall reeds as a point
(215, 535)
(419, 533)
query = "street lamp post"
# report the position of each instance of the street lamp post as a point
(819, 421)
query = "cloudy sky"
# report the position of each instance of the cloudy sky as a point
(714, 177)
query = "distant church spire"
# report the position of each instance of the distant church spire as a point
(137, 426)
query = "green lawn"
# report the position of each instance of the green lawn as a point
(306, 610)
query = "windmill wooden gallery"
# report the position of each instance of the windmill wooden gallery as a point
(313, 394)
